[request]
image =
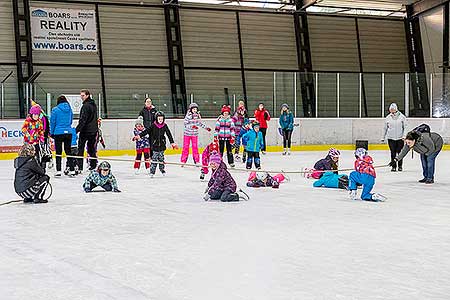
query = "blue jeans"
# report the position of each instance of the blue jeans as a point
(366, 180)
(428, 163)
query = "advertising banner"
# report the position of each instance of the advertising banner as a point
(11, 137)
(58, 29)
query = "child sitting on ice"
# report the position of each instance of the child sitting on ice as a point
(30, 181)
(330, 162)
(206, 154)
(364, 175)
(332, 180)
(142, 145)
(255, 142)
(221, 186)
(101, 177)
(263, 179)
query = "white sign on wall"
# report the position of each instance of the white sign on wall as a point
(11, 136)
(58, 29)
(75, 102)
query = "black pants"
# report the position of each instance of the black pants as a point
(253, 156)
(224, 196)
(91, 140)
(66, 140)
(107, 186)
(222, 144)
(396, 147)
(287, 134)
(264, 132)
(37, 190)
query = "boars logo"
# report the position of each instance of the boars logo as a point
(39, 13)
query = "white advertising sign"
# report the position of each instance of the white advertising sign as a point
(11, 136)
(58, 29)
(75, 102)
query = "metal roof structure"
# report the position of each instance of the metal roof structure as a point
(366, 7)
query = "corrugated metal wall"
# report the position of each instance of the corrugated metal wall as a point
(126, 90)
(268, 41)
(133, 36)
(207, 86)
(383, 46)
(64, 80)
(8, 56)
(334, 45)
(210, 39)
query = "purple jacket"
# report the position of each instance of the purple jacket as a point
(221, 180)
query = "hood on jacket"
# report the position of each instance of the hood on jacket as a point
(20, 161)
(65, 107)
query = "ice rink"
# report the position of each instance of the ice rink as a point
(158, 239)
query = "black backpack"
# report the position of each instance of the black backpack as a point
(422, 128)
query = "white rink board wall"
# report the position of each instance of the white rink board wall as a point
(59, 29)
(118, 133)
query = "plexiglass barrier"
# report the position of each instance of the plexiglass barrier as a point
(327, 95)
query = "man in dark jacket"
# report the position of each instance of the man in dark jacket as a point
(148, 113)
(428, 145)
(30, 181)
(88, 129)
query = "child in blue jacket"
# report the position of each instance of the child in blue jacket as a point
(240, 139)
(255, 143)
(332, 180)
(287, 126)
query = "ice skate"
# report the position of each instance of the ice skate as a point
(151, 175)
(378, 197)
(136, 171)
(66, 171)
(284, 152)
(202, 176)
(72, 173)
(243, 195)
(237, 157)
(289, 152)
(231, 165)
(206, 197)
(58, 174)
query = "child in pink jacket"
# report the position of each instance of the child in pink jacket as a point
(192, 122)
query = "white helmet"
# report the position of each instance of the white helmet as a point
(261, 175)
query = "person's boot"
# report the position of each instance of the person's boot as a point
(394, 169)
(27, 200)
(289, 151)
(429, 181)
(423, 180)
(284, 151)
(40, 201)
(400, 168)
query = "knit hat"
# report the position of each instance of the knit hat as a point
(241, 110)
(284, 105)
(226, 108)
(393, 106)
(193, 105)
(215, 158)
(139, 121)
(35, 110)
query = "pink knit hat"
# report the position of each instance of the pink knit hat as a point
(35, 110)
(215, 158)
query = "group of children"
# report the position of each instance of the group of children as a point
(325, 172)
(230, 132)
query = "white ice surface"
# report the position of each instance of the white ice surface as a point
(159, 239)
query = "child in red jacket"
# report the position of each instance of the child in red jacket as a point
(364, 175)
(206, 154)
(262, 116)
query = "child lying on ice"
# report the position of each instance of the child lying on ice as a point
(332, 180)
(101, 177)
(263, 179)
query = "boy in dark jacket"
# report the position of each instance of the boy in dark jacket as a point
(221, 186)
(30, 181)
(157, 133)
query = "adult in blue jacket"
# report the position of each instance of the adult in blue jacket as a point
(332, 180)
(287, 126)
(61, 131)
(254, 140)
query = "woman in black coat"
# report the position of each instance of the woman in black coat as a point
(148, 113)
(30, 181)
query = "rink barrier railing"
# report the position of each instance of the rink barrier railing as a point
(199, 166)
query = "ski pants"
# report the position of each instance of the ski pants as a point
(367, 181)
